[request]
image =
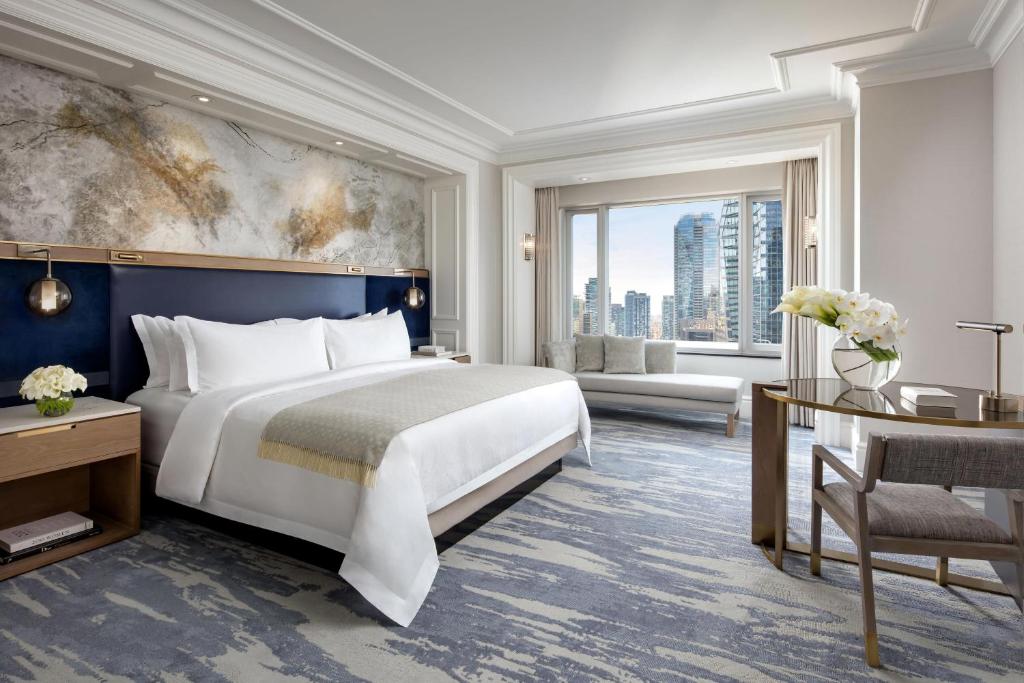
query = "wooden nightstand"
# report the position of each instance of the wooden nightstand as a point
(86, 462)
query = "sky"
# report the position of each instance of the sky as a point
(640, 248)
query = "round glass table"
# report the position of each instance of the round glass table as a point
(770, 455)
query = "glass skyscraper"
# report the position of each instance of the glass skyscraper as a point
(766, 224)
(729, 272)
(668, 317)
(637, 314)
(590, 307)
(689, 267)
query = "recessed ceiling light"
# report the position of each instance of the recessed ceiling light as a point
(202, 98)
(731, 162)
(584, 178)
(339, 143)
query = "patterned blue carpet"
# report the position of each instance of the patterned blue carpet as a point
(637, 569)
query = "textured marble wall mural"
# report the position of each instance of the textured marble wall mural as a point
(82, 163)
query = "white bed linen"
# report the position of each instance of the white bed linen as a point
(160, 411)
(390, 557)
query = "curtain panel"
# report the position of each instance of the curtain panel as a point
(548, 270)
(800, 200)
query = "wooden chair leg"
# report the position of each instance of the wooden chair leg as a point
(942, 563)
(730, 425)
(815, 538)
(816, 485)
(942, 571)
(867, 587)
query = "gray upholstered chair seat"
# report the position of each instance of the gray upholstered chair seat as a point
(919, 511)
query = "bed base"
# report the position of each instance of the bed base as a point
(449, 525)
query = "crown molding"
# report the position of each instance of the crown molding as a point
(204, 53)
(997, 26)
(899, 67)
(803, 112)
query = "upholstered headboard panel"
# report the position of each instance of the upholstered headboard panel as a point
(234, 296)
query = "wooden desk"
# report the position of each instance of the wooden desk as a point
(86, 462)
(770, 460)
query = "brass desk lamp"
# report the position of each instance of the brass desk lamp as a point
(995, 401)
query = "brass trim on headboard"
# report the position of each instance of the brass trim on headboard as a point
(135, 257)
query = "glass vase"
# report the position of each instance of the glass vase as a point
(55, 407)
(858, 369)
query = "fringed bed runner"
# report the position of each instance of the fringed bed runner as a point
(345, 435)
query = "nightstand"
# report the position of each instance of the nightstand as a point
(86, 462)
(462, 358)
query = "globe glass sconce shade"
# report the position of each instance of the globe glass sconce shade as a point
(414, 297)
(47, 296)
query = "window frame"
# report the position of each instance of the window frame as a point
(744, 346)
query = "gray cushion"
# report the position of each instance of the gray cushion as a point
(660, 357)
(589, 353)
(919, 511)
(695, 387)
(954, 460)
(560, 355)
(624, 355)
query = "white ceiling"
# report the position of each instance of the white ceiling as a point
(510, 80)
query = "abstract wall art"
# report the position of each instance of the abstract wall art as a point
(82, 163)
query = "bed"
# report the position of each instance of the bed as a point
(200, 449)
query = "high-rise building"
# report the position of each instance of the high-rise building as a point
(689, 257)
(729, 271)
(637, 314)
(668, 317)
(590, 325)
(577, 314)
(616, 320)
(766, 224)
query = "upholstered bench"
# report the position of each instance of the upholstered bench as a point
(642, 374)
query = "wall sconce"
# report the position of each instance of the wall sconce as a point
(414, 297)
(47, 296)
(810, 232)
(529, 246)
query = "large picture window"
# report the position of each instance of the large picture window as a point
(703, 272)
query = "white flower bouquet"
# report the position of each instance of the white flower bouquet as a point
(51, 388)
(873, 325)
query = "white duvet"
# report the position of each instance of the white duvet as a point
(210, 463)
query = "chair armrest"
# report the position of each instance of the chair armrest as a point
(841, 468)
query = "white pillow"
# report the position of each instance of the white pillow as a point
(178, 360)
(222, 355)
(382, 313)
(154, 334)
(371, 341)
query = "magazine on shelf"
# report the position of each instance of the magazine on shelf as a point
(7, 558)
(43, 530)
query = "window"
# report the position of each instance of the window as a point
(583, 235)
(706, 273)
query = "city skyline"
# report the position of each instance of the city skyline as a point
(690, 272)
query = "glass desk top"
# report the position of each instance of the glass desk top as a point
(836, 396)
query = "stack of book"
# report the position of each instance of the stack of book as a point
(44, 534)
(433, 351)
(930, 401)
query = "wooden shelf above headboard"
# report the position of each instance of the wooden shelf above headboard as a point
(65, 252)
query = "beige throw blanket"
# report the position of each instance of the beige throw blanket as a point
(345, 435)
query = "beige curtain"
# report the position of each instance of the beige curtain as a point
(799, 200)
(548, 290)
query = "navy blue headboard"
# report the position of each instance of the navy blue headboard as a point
(230, 296)
(95, 334)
